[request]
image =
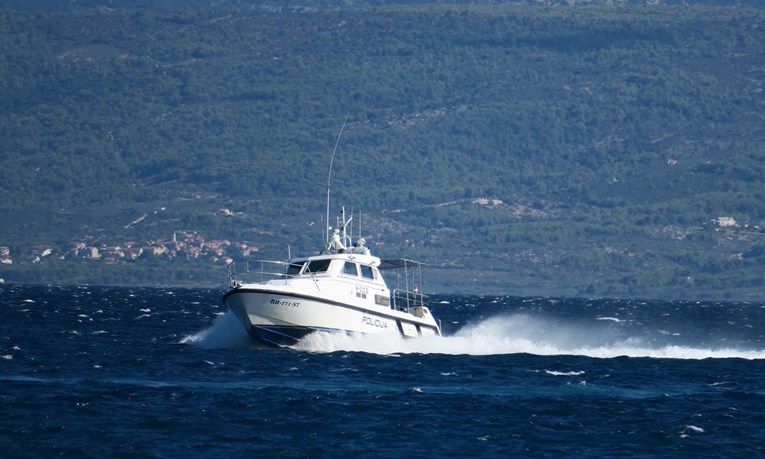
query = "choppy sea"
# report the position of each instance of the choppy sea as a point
(145, 372)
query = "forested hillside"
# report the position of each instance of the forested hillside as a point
(517, 149)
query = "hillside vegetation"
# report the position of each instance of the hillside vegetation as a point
(603, 139)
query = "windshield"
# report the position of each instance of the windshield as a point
(317, 266)
(293, 269)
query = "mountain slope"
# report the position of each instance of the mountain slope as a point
(611, 136)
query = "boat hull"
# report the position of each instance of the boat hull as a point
(281, 318)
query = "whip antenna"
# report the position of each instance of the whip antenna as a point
(329, 176)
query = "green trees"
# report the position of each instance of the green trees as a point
(593, 125)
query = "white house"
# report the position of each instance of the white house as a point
(724, 221)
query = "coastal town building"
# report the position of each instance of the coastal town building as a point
(184, 244)
(724, 222)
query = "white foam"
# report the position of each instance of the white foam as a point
(519, 333)
(225, 332)
(564, 373)
(690, 429)
(612, 319)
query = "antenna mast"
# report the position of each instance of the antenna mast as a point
(329, 176)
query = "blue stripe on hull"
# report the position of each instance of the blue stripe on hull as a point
(279, 335)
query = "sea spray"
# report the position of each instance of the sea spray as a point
(517, 334)
(535, 333)
(225, 332)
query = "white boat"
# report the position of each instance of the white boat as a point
(340, 290)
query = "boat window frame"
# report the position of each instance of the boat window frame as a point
(322, 266)
(355, 268)
(370, 270)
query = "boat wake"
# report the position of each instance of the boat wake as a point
(520, 333)
(497, 335)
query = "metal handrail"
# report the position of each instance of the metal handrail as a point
(263, 271)
(232, 280)
(405, 300)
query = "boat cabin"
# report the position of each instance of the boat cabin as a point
(334, 266)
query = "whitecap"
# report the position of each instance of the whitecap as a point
(690, 429)
(564, 373)
(612, 319)
(352, 370)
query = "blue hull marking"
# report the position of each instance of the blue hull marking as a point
(281, 335)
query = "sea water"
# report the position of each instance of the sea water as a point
(141, 372)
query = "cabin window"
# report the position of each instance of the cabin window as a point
(350, 269)
(367, 272)
(294, 269)
(317, 266)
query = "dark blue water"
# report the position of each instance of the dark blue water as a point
(118, 372)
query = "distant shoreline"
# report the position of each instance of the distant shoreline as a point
(436, 281)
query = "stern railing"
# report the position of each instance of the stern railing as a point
(407, 300)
